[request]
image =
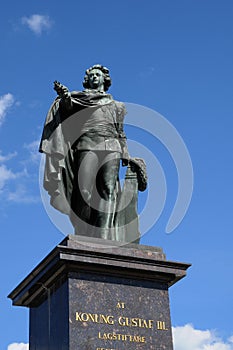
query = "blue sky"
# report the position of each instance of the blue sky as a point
(174, 57)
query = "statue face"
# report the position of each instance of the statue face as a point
(96, 79)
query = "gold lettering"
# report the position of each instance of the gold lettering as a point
(85, 317)
(122, 337)
(120, 305)
(150, 323)
(120, 321)
(137, 339)
(95, 318)
(135, 322)
(161, 325)
(106, 319)
(119, 337)
(78, 316)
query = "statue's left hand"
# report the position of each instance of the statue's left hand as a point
(125, 162)
(125, 158)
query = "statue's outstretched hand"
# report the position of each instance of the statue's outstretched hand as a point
(61, 89)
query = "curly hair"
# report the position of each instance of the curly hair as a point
(107, 79)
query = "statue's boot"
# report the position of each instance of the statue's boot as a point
(80, 215)
(103, 220)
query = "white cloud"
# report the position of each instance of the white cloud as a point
(37, 23)
(7, 157)
(20, 195)
(6, 101)
(189, 338)
(6, 175)
(19, 186)
(18, 346)
(33, 149)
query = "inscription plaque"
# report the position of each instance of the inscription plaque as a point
(143, 323)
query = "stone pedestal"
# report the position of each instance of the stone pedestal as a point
(93, 295)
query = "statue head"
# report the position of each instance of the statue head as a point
(104, 76)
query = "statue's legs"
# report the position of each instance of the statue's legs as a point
(86, 166)
(94, 194)
(104, 195)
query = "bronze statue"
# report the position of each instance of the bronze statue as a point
(84, 141)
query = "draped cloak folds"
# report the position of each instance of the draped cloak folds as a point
(59, 135)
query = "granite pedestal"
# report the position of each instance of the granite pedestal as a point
(90, 294)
